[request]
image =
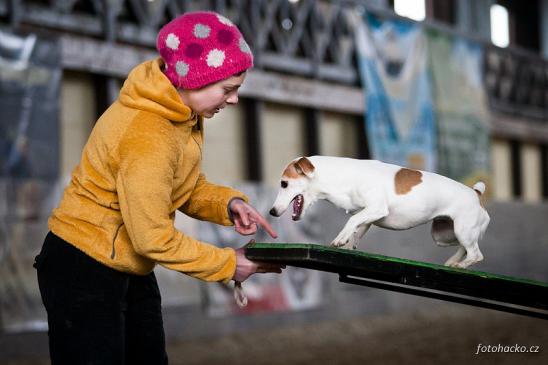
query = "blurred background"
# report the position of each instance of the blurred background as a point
(457, 87)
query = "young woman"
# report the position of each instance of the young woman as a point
(115, 220)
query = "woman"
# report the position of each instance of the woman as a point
(115, 220)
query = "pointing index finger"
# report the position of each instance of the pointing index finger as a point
(264, 223)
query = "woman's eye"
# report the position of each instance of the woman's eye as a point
(284, 184)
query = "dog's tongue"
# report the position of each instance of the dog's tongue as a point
(297, 207)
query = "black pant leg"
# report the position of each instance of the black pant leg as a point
(85, 303)
(145, 339)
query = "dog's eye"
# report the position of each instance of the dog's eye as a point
(284, 184)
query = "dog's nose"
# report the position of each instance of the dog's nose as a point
(273, 212)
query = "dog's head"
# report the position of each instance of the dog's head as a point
(294, 187)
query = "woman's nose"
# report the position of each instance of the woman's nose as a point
(232, 99)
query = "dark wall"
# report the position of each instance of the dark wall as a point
(524, 23)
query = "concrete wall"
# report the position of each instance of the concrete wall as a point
(338, 135)
(282, 139)
(224, 146)
(531, 171)
(78, 115)
(501, 170)
(531, 179)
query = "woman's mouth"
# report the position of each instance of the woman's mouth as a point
(298, 203)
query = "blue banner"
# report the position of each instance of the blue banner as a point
(400, 125)
(462, 112)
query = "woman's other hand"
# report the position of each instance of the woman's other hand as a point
(245, 267)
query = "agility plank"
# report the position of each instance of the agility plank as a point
(481, 289)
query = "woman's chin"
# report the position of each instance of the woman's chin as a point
(210, 114)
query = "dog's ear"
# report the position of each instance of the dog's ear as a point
(304, 167)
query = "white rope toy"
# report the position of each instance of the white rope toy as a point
(239, 294)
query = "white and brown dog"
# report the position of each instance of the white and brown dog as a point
(387, 196)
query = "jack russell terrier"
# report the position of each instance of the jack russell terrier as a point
(387, 196)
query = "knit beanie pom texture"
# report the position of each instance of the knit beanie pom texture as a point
(200, 48)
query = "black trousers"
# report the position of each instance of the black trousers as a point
(97, 315)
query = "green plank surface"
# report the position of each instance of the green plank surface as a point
(352, 263)
(257, 247)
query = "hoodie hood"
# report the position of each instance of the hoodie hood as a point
(147, 88)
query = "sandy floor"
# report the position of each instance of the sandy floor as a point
(423, 338)
(449, 337)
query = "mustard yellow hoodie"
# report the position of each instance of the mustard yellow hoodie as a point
(140, 164)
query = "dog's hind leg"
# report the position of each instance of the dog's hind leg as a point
(473, 256)
(456, 258)
(443, 232)
(468, 234)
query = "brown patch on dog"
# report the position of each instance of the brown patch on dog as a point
(405, 180)
(298, 168)
(290, 172)
(304, 166)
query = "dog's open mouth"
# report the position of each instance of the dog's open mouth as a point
(298, 203)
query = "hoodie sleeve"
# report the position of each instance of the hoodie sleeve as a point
(144, 182)
(209, 202)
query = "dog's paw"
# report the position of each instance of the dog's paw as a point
(465, 263)
(337, 244)
(345, 246)
(461, 265)
(353, 243)
(341, 240)
(342, 244)
(348, 243)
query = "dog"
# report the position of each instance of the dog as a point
(387, 196)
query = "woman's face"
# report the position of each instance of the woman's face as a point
(210, 99)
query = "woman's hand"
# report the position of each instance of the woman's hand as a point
(245, 267)
(247, 219)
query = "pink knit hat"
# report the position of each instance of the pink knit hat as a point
(200, 48)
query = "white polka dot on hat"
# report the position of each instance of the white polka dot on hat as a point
(202, 47)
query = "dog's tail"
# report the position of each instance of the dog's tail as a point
(479, 187)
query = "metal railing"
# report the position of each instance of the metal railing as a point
(308, 38)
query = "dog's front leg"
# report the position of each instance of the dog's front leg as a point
(364, 217)
(355, 239)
